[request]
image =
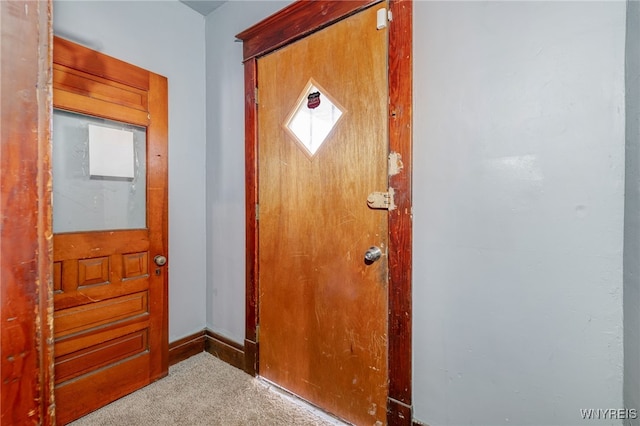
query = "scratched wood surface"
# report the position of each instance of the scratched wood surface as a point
(25, 246)
(400, 220)
(323, 311)
(110, 319)
(251, 200)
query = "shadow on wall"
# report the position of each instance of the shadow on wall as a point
(631, 301)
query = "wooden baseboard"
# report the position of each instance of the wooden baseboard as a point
(207, 341)
(186, 347)
(225, 349)
(250, 357)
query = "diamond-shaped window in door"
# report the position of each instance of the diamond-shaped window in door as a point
(314, 117)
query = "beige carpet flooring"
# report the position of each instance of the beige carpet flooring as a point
(203, 390)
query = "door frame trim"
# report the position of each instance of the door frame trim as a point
(292, 23)
(26, 303)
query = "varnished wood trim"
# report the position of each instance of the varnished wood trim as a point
(79, 82)
(208, 341)
(227, 350)
(186, 347)
(278, 30)
(251, 198)
(251, 361)
(398, 414)
(81, 104)
(26, 311)
(76, 56)
(158, 218)
(45, 221)
(400, 219)
(294, 22)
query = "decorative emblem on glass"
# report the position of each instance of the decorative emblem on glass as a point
(314, 117)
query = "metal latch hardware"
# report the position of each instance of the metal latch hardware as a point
(381, 200)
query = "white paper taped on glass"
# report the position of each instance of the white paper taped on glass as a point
(111, 152)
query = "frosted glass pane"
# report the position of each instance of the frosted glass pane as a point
(313, 119)
(86, 202)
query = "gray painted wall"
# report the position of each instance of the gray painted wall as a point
(165, 37)
(632, 215)
(225, 163)
(518, 211)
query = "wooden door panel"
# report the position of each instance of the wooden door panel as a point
(126, 254)
(64, 300)
(73, 246)
(72, 344)
(82, 361)
(323, 310)
(110, 303)
(71, 101)
(120, 379)
(135, 265)
(94, 271)
(71, 80)
(90, 316)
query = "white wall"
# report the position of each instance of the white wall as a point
(632, 215)
(225, 295)
(165, 37)
(518, 203)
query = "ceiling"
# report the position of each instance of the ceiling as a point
(203, 6)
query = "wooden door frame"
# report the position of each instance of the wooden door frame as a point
(26, 308)
(292, 23)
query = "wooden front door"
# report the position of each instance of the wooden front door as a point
(322, 150)
(110, 297)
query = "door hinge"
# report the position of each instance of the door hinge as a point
(255, 95)
(257, 211)
(381, 200)
(257, 333)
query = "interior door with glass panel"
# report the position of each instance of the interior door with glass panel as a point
(109, 170)
(323, 270)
